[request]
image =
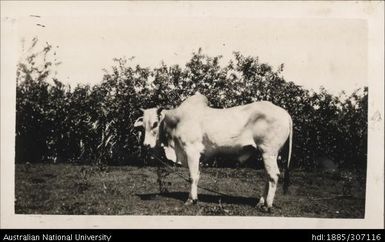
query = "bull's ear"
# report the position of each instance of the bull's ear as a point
(163, 114)
(139, 122)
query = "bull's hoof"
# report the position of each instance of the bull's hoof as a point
(260, 205)
(269, 210)
(264, 209)
(191, 202)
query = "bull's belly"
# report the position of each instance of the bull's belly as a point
(214, 150)
(235, 154)
(238, 148)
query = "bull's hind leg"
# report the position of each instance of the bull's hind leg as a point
(272, 170)
(262, 200)
(193, 165)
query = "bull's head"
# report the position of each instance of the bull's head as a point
(150, 122)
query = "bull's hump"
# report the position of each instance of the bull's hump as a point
(195, 101)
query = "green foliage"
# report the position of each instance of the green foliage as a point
(95, 124)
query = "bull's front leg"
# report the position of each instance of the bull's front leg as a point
(193, 157)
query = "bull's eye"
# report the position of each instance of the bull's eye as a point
(154, 125)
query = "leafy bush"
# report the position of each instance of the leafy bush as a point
(57, 123)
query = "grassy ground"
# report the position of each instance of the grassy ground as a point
(70, 189)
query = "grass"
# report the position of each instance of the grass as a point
(127, 190)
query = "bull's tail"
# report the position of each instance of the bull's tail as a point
(286, 179)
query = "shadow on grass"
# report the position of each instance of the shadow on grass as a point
(206, 198)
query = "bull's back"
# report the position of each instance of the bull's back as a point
(240, 126)
(242, 117)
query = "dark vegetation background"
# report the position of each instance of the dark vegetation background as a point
(83, 124)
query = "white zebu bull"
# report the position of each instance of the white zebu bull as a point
(194, 129)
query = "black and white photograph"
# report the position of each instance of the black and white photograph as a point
(173, 114)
